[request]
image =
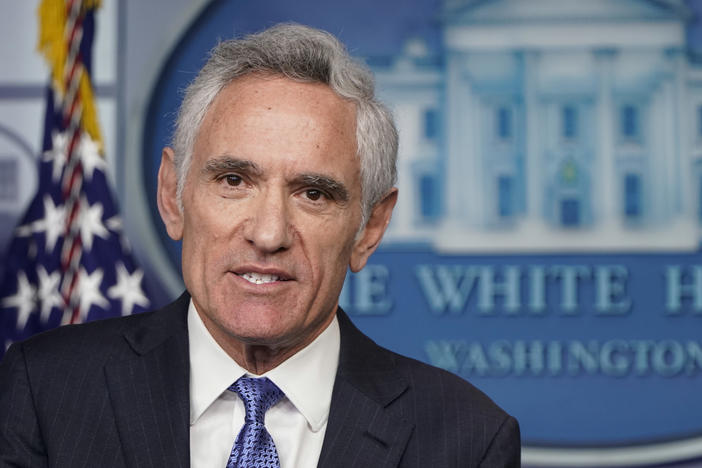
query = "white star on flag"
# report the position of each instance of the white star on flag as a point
(45, 282)
(114, 224)
(89, 291)
(128, 289)
(91, 223)
(49, 296)
(24, 230)
(23, 300)
(57, 154)
(90, 156)
(52, 222)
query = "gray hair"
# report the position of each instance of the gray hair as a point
(303, 54)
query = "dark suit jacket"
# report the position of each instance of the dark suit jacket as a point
(114, 393)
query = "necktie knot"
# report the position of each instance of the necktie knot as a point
(258, 395)
(254, 447)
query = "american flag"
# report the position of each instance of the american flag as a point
(68, 261)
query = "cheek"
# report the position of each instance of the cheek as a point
(202, 231)
(333, 248)
(208, 218)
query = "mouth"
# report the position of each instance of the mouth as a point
(260, 278)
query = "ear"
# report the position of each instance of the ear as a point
(166, 195)
(372, 233)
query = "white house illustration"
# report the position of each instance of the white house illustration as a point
(549, 125)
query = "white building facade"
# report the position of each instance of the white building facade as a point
(549, 125)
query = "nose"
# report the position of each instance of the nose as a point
(269, 227)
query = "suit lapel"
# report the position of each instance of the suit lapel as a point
(149, 391)
(364, 428)
(148, 388)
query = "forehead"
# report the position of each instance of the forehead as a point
(275, 116)
(259, 89)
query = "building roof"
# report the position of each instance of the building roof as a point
(506, 11)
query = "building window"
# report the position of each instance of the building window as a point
(632, 196)
(629, 124)
(429, 196)
(569, 122)
(8, 180)
(505, 189)
(503, 123)
(431, 124)
(570, 212)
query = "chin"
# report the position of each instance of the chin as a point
(260, 332)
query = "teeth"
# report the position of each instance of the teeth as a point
(258, 278)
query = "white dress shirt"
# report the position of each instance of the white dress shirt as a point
(297, 423)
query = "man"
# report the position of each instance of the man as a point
(280, 178)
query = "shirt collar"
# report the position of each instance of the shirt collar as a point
(306, 378)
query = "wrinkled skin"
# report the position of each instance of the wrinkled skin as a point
(271, 209)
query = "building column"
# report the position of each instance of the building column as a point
(606, 194)
(533, 167)
(684, 169)
(463, 173)
(656, 190)
(407, 207)
(670, 178)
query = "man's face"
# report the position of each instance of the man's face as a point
(271, 206)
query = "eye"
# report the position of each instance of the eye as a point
(232, 180)
(313, 194)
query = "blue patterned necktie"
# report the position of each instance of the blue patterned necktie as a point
(254, 447)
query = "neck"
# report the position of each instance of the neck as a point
(260, 357)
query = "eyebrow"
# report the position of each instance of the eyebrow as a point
(334, 188)
(329, 185)
(228, 163)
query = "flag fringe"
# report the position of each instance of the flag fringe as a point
(52, 45)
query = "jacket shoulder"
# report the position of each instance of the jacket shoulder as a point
(362, 357)
(452, 412)
(70, 340)
(442, 386)
(100, 339)
(454, 423)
